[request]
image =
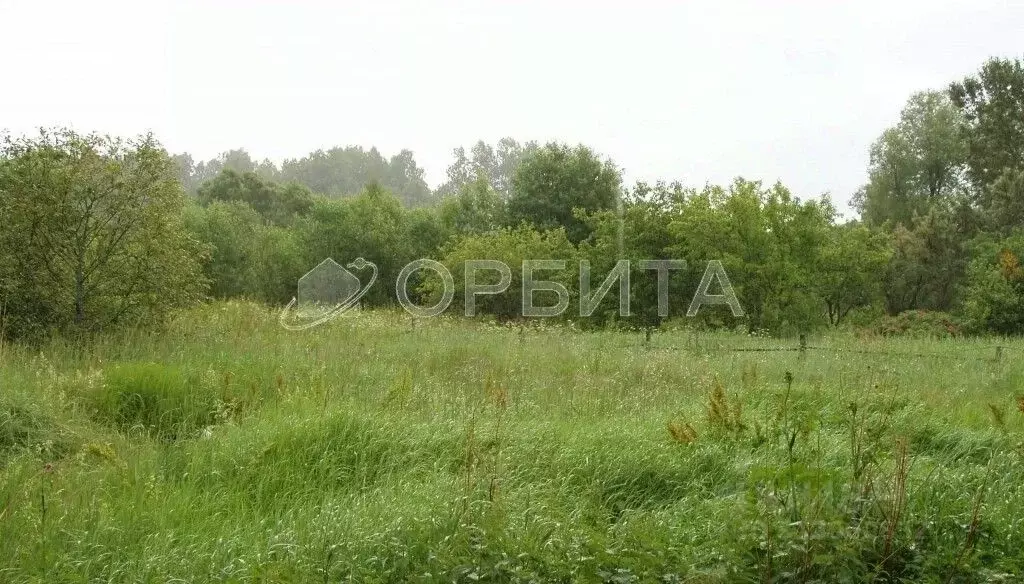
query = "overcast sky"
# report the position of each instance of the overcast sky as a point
(695, 91)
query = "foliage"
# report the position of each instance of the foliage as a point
(231, 232)
(342, 172)
(945, 185)
(992, 103)
(512, 247)
(851, 260)
(381, 448)
(769, 243)
(373, 226)
(555, 181)
(499, 164)
(994, 295)
(642, 234)
(1003, 202)
(475, 208)
(93, 234)
(276, 203)
(337, 172)
(917, 165)
(920, 324)
(194, 174)
(927, 263)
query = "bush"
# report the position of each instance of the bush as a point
(994, 294)
(511, 247)
(159, 399)
(920, 323)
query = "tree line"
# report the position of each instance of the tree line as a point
(101, 232)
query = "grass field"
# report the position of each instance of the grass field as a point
(374, 449)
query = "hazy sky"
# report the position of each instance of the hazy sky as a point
(696, 91)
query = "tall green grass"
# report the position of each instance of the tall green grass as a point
(378, 449)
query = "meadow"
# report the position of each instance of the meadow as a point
(380, 449)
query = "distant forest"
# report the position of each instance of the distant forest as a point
(345, 171)
(103, 231)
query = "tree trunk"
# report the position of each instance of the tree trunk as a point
(80, 290)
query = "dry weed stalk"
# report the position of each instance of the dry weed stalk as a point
(898, 499)
(682, 432)
(722, 414)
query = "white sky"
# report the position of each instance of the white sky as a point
(696, 91)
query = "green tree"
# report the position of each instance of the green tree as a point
(344, 172)
(232, 231)
(373, 225)
(851, 260)
(640, 231)
(510, 246)
(475, 208)
(248, 257)
(916, 165)
(926, 266)
(93, 233)
(769, 243)
(555, 182)
(279, 204)
(1004, 202)
(498, 164)
(992, 103)
(426, 232)
(193, 174)
(994, 294)
(407, 180)
(186, 171)
(280, 260)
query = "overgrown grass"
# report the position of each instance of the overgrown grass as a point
(378, 449)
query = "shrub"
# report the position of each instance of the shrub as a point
(511, 247)
(994, 293)
(920, 323)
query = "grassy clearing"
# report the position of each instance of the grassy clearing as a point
(374, 449)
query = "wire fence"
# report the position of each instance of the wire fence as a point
(994, 353)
